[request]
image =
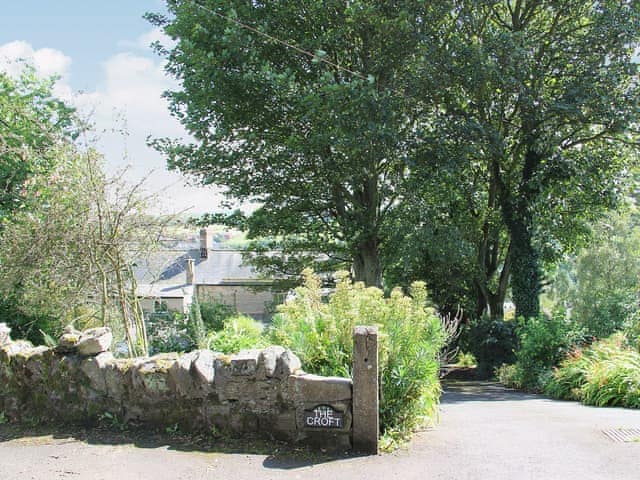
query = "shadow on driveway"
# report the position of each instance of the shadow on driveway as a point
(458, 391)
(277, 455)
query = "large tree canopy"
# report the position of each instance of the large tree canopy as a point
(540, 104)
(486, 131)
(322, 140)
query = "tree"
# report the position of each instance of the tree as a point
(546, 92)
(321, 140)
(599, 286)
(68, 259)
(32, 124)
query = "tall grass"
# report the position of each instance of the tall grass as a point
(605, 374)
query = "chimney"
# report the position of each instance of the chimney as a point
(205, 243)
(191, 273)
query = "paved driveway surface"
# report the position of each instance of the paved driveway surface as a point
(486, 432)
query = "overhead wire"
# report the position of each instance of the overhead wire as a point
(289, 45)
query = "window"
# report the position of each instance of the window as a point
(160, 306)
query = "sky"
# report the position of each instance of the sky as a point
(100, 49)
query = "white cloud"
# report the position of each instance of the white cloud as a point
(126, 107)
(46, 61)
(145, 40)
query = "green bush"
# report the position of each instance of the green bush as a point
(605, 374)
(214, 313)
(466, 360)
(632, 330)
(238, 333)
(491, 341)
(195, 325)
(321, 334)
(168, 332)
(544, 342)
(509, 375)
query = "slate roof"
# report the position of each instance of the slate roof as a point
(221, 267)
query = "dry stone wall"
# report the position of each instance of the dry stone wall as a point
(262, 392)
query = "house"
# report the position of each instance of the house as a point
(169, 279)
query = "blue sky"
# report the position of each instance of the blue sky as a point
(87, 31)
(100, 49)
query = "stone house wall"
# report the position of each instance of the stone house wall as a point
(259, 391)
(245, 299)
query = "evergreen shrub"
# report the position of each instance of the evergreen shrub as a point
(492, 342)
(320, 332)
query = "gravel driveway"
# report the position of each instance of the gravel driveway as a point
(486, 432)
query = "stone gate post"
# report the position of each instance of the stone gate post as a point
(365, 390)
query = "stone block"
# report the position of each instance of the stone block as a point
(202, 367)
(245, 363)
(243, 422)
(193, 373)
(281, 426)
(150, 377)
(365, 389)
(37, 367)
(68, 341)
(95, 369)
(313, 388)
(9, 350)
(327, 441)
(5, 334)
(116, 375)
(180, 375)
(288, 364)
(94, 341)
(268, 360)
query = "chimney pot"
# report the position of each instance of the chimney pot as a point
(205, 243)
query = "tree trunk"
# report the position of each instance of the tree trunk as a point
(366, 264)
(525, 259)
(525, 278)
(496, 306)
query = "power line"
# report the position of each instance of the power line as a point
(281, 42)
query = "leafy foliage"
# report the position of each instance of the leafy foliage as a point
(540, 120)
(33, 125)
(238, 333)
(215, 313)
(321, 140)
(195, 325)
(168, 332)
(492, 341)
(543, 343)
(321, 333)
(604, 279)
(604, 374)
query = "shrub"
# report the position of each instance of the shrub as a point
(466, 360)
(195, 325)
(543, 343)
(214, 313)
(321, 334)
(167, 332)
(491, 341)
(632, 330)
(604, 374)
(509, 376)
(238, 333)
